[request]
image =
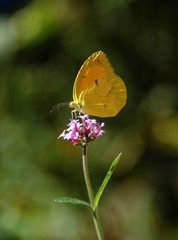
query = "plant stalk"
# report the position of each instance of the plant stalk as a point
(90, 194)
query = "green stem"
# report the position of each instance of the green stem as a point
(90, 194)
(86, 175)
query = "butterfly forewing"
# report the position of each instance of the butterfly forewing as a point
(95, 67)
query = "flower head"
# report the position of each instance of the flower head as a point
(82, 130)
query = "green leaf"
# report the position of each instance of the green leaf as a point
(106, 180)
(73, 201)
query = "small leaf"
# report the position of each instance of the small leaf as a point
(73, 201)
(106, 180)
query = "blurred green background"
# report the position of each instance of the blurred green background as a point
(42, 46)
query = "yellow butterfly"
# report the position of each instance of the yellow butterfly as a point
(97, 90)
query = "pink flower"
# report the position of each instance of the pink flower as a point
(82, 130)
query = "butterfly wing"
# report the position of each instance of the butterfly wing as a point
(98, 89)
(87, 74)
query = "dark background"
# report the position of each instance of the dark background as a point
(42, 46)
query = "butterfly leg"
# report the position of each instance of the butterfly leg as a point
(74, 114)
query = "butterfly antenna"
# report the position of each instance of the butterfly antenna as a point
(59, 105)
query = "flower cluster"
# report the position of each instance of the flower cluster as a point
(82, 130)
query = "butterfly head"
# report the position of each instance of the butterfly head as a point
(76, 105)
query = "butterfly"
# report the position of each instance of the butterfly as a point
(97, 90)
